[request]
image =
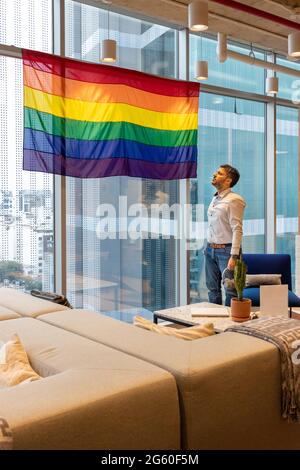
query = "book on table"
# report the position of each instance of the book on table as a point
(210, 312)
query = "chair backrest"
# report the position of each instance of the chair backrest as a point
(270, 264)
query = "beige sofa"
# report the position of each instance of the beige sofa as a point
(229, 385)
(90, 397)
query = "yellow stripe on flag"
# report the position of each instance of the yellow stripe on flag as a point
(107, 112)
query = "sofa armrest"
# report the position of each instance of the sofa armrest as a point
(81, 409)
(25, 304)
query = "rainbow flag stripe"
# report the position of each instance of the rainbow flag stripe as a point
(92, 121)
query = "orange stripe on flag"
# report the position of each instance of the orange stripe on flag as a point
(107, 93)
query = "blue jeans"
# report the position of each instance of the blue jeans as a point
(216, 260)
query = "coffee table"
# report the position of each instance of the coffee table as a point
(183, 316)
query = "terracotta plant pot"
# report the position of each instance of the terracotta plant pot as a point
(240, 310)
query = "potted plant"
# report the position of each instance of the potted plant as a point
(240, 307)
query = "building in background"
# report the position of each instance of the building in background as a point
(26, 199)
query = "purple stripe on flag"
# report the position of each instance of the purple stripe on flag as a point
(86, 168)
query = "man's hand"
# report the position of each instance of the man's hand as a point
(231, 263)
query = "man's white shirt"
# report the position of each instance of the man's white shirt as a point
(225, 219)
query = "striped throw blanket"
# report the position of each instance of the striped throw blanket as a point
(285, 334)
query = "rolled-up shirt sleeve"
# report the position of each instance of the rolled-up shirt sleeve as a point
(236, 213)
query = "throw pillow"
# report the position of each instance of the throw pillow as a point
(14, 364)
(262, 279)
(190, 333)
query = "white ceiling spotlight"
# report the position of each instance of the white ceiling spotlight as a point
(272, 85)
(202, 70)
(109, 50)
(222, 47)
(294, 44)
(201, 66)
(109, 46)
(198, 15)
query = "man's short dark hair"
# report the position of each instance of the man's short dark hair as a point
(232, 173)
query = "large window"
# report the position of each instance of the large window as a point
(118, 275)
(287, 182)
(230, 74)
(231, 131)
(26, 199)
(110, 269)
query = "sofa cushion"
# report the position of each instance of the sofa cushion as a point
(252, 293)
(7, 313)
(14, 364)
(96, 397)
(262, 279)
(190, 333)
(25, 304)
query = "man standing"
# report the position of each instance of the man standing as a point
(225, 231)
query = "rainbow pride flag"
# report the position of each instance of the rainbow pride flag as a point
(92, 120)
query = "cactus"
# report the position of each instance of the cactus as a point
(240, 270)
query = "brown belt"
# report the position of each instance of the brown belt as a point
(217, 245)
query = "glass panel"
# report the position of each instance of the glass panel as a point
(287, 184)
(231, 131)
(289, 86)
(26, 23)
(119, 275)
(26, 199)
(230, 74)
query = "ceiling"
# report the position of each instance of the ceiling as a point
(238, 25)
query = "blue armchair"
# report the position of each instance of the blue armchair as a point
(270, 264)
